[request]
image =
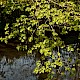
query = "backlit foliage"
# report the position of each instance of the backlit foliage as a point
(36, 32)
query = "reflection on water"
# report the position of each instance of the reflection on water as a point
(15, 65)
(17, 69)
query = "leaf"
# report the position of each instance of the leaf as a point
(41, 51)
(6, 41)
(30, 39)
(54, 33)
(73, 69)
(6, 27)
(53, 65)
(23, 29)
(42, 69)
(25, 47)
(18, 47)
(22, 40)
(72, 49)
(67, 68)
(7, 32)
(36, 70)
(58, 54)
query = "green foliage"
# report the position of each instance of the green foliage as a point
(31, 30)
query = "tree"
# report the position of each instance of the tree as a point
(40, 26)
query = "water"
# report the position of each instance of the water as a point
(17, 69)
(16, 65)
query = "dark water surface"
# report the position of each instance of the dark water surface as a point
(16, 65)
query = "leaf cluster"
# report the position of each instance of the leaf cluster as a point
(36, 31)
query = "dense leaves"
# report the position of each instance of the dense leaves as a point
(40, 26)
